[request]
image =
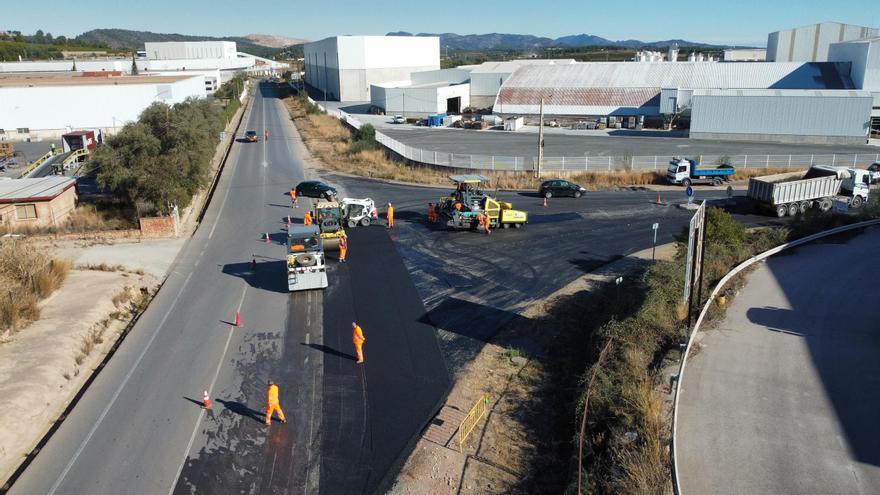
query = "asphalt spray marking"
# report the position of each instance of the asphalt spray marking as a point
(118, 391)
(192, 437)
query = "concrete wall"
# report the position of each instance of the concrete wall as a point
(418, 102)
(452, 76)
(49, 213)
(864, 59)
(166, 50)
(58, 109)
(811, 43)
(799, 117)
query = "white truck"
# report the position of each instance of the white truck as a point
(306, 267)
(787, 194)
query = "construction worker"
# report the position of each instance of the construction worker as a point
(266, 134)
(479, 221)
(272, 404)
(254, 262)
(343, 248)
(52, 148)
(307, 218)
(389, 214)
(358, 340)
(486, 223)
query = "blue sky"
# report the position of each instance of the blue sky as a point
(722, 22)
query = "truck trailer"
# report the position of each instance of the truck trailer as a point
(820, 186)
(306, 267)
(686, 172)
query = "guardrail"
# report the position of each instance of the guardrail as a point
(718, 287)
(587, 163)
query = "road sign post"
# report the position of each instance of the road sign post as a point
(654, 247)
(690, 195)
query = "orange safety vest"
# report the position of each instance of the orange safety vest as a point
(272, 394)
(307, 219)
(358, 336)
(390, 213)
(293, 194)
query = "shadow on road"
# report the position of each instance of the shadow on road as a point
(329, 350)
(242, 410)
(269, 275)
(468, 319)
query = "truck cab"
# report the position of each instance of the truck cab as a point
(686, 172)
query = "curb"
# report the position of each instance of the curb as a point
(711, 298)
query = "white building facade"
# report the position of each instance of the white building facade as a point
(174, 50)
(345, 67)
(811, 43)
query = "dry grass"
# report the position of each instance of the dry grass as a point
(27, 275)
(102, 267)
(329, 140)
(85, 218)
(746, 173)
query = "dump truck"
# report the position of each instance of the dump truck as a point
(306, 267)
(686, 172)
(460, 210)
(328, 217)
(820, 186)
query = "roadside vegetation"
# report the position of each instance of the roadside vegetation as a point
(42, 46)
(27, 276)
(229, 93)
(163, 159)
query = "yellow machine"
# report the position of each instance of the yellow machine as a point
(328, 218)
(462, 208)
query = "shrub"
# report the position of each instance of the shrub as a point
(26, 276)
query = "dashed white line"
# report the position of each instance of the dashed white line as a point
(118, 391)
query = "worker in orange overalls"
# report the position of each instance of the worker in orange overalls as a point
(343, 248)
(358, 339)
(293, 196)
(479, 221)
(389, 214)
(307, 218)
(486, 223)
(272, 404)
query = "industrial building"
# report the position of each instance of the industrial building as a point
(43, 106)
(486, 79)
(188, 50)
(745, 55)
(811, 43)
(344, 68)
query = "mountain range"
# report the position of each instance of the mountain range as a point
(499, 41)
(124, 39)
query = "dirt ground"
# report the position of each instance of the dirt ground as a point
(497, 456)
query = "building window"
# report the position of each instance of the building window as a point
(24, 130)
(25, 212)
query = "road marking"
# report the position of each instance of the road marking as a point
(308, 335)
(118, 391)
(228, 188)
(306, 360)
(192, 437)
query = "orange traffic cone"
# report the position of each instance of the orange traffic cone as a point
(545, 201)
(237, 319)
(266, 239)
(659, 201)
(288, 220)
(206, 401)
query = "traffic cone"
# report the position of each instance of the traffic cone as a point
(266, 239)
(288, 220)
(237, 319)
(545, 201)
(659, 201)
(206, 401)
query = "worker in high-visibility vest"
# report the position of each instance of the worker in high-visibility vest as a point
(358, 340)
(307, 218)
(486, 223)
(272, 404)
(389, 214)
(293, 196)
(343, 248)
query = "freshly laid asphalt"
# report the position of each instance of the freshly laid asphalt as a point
(782, 396)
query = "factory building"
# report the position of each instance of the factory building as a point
(345, 67)
(44, 106)
(188, 50)
(427, 93)
(488, 77)
(811, 43)
(745, 55)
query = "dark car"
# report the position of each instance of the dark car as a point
(559, 187)
(315, 189)
(251, 136)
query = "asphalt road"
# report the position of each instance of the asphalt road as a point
(782, 397)
(140, 428)
(501, 143)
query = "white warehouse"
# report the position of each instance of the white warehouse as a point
(811, 43)
(175, 50)
(344, 67)
(48, 105)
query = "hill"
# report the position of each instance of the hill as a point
(125, 39)
(498, 41)
(273, 41)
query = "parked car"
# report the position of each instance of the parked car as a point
(251, 136)
(560, 187)
(874, 172)
(315, 189)
(398, 119)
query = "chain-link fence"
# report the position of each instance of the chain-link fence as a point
(588, 163)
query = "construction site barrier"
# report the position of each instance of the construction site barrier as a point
(470, 421)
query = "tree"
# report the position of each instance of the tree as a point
(49, 38)
(39, 38)
(134, 67)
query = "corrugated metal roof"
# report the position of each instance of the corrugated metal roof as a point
(512, 65)
(844, 93)
(14, 190)
(695, 75)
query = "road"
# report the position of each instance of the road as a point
(139, 428)
(782, 397)
(501, 143)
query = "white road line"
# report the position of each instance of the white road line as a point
(223, 204)
(192, 437)
(118, 391)
(307, 338)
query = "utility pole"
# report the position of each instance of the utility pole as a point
(540, 141)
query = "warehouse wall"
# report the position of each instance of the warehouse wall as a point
(799, 119)
(811, 43)
(864, 59)
(418, 102)
(166, 50)
(125, 65)
(55, 109)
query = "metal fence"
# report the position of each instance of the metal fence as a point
(599, 163)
